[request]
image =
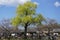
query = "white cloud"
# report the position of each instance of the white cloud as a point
(57, 4)
(36, 3)
(12, 2)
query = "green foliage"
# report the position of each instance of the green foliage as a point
(16, 21)
(26, 9)
(27, 13)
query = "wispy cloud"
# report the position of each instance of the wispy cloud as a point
(36, 3)
(57, 4)
(12, 2)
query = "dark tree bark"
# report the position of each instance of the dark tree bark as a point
(25, 31)
(49, 33)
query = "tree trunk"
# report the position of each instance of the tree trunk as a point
(25, 31)
(49, 33)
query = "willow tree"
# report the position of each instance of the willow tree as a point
(26, 15)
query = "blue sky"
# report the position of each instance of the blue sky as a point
(48, 8)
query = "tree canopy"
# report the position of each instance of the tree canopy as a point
(26, 13)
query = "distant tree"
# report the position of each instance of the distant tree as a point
(5, 24)
(6, 27)
(52, 23)
(26, 15)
